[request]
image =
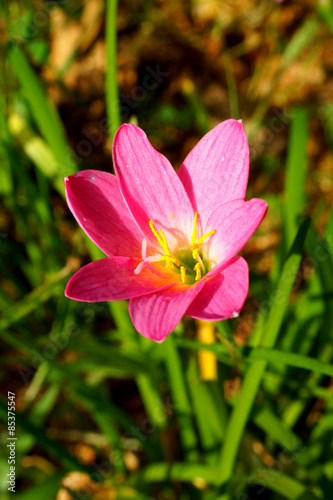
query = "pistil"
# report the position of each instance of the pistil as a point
(171, 261)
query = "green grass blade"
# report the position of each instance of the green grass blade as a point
(295, 174)
(34, 298)
(292, 359)
(180, 399)
(209, 411)
(254, 374)
(184, 472)
(261, 353)
(37, 150)
(286, 486)
(112, 97)
(267, 421)
(43, 111)
(302, 38)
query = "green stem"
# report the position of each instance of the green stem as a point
(255, 372)
(181, 401)
(112, 94)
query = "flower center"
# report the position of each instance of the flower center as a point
(188, 262)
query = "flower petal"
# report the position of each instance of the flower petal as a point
(150, 186)
(216, 170)
(235, 222)
(223, 296)
(113, 278)
(156, 315)
(97, 204)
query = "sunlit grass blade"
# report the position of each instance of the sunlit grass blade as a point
(43, 111)
(325, 10)
(183, 472)
(112, 95)
(254, 374)
(287, 486)
(266, 354)
(279, 432)
(295, 174)
(321, 251)
(301, 39)
(37, 150)
(292, 359)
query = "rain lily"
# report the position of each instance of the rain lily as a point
(171, 239)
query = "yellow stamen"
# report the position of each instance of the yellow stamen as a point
(168, 259)
(197, 269)
(162, 241)
(158, 237)
(165, 243)
(195, 244)
(195, 253)
(194, 232)
(183, 273)
(172, 216)
(204, 237)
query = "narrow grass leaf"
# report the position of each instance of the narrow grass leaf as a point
(38, 296)
(180, 398)
(43, 111)
(112, 95)
(255, 372)
(295, 173)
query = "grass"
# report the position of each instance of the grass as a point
(133, 418)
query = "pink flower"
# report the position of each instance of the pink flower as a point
(170, 238)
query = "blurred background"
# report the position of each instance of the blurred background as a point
(101, 412)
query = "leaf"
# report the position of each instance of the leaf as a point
(255, 372)
(43, 111)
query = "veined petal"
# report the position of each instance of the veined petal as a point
(235, 222)
(216, 170)
(113, 278)
(156, 315)
(151, 187)
(223, 295)
(97, 204)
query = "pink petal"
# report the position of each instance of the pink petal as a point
(223, 295)
(156, 315)
(113, 278)
(150, 186)
(95, 201)
(235, 222)
(216, 170)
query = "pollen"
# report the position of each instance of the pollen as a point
(183, 273)
(168, 259)
(155, 233)
(197, 269)
(163, 242)
(183, 264)
(196, 244)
